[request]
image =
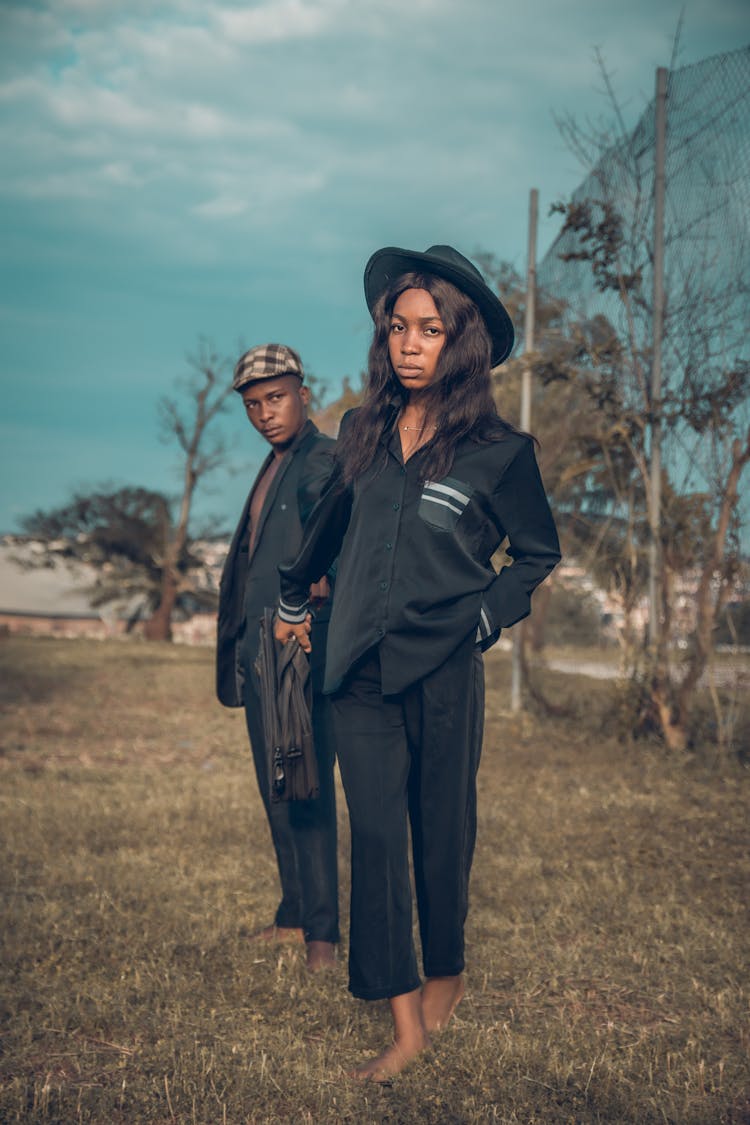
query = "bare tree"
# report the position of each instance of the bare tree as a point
(190, 421)
(119, 535)
(137, 540)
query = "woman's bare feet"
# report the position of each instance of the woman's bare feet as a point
(410, 1038)
(391, 1062)
(440, 998)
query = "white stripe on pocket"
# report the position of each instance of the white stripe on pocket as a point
(445, 503)
(435, 486)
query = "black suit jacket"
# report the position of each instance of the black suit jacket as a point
(250, 582)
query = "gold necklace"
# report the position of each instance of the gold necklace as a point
(432, 426)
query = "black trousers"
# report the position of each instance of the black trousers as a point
(303, 832)
(409, 759)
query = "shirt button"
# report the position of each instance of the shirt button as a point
(389, 546)
(383, 585)
(396, 506)
(380, 631)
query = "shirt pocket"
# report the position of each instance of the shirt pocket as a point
(443, 502)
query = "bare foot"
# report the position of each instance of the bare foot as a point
(320, 955)
(440, 998)
(391, 1062)
(278, 934)
(409, 1039)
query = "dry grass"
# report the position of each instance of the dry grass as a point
(607, 941)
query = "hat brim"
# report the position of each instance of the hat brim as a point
(388, 264)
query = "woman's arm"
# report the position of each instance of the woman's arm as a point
(520, 506)
(321, 543)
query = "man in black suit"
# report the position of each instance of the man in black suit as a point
(270, 381)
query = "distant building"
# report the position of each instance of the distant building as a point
(54, 601)
(572, 575)
(49, 600)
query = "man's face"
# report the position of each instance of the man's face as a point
(277, 408)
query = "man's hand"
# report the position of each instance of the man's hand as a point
(284, 632)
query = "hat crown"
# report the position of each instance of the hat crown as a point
(391, 262)
(453, 258)
(266, 361)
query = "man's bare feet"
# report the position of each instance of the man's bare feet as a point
(278, 935)
(440, 998)
(409, 1040)
(320, 955)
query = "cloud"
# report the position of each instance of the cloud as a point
(121, 173)
(25, 28)
(221, 207)
(86, 107)
(21, 89)
(173, 166)
(274, 22)
(288, 116)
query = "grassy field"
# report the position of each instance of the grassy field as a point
(607, 941)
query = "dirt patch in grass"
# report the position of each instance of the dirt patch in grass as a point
(607, 938)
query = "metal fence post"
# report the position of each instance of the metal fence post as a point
(654, 552)
(516, 690)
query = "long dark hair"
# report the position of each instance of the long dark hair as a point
(459, 402)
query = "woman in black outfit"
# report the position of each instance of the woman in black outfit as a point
(429, 481)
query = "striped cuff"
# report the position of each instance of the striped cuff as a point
(487, 632)
(292, 614)
(484, 629)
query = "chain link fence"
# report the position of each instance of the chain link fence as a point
(707, 206)
(706, 253)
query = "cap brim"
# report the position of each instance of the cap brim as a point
(391, 262)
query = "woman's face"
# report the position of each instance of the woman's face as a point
(415, 339)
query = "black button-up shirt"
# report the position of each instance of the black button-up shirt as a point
(414, 573)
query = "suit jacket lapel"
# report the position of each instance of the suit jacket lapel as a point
(270, 497)
(276, 482)
(229, 574)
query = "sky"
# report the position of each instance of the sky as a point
(178, 171)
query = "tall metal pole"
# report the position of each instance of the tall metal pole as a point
(530, 318)
(654, 555)
(529, 324)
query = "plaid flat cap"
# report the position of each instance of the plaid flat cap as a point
(267, 361)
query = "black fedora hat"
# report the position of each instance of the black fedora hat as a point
(391, 262)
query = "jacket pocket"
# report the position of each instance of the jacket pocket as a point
(443, 502)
